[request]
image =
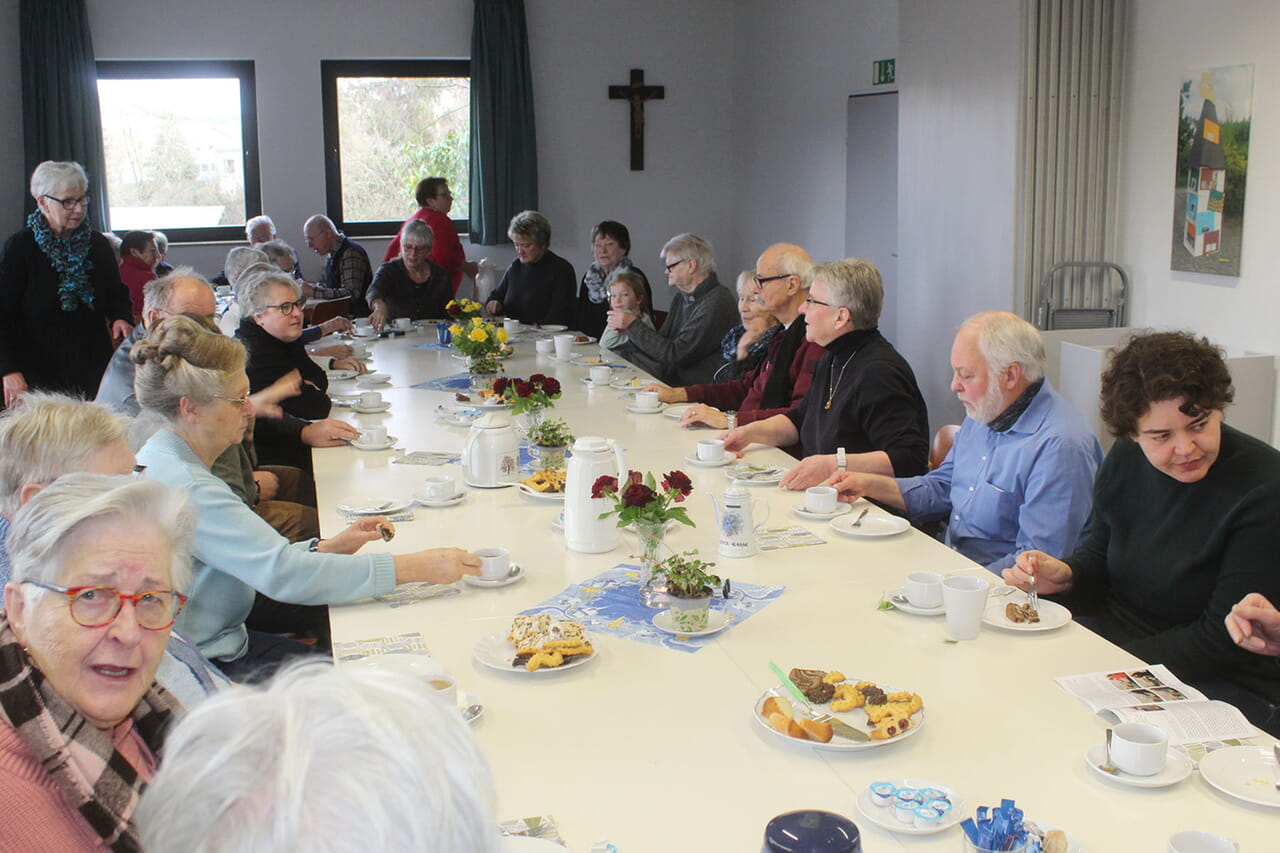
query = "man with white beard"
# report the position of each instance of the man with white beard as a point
(1020, 474)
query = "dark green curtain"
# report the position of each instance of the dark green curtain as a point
(60, 119)
(504, 157)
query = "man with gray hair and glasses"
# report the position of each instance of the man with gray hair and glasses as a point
(686, 350)
(863, 411)
(1020, 474)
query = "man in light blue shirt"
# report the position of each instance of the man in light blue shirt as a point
(1020, 474)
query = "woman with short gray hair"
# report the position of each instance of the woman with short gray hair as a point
(539, 286)
(99, 568)
(60, 290)
(411, 285)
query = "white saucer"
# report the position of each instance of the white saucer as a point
(1052, 616)
(874, 526)
(625, 384)
(373, 379)
(590, 361)
(589, 340)
(1244, 772)
(364, 333)
(372, 505)
(1178, 767)
(422, 500)
(586, 380)
(553, 328)
(386, 445)
(841, 509)
(488, 485)
(717, 621)
(727, 459)
(530, 491)
(755, 475)
(636, 410)
(883, 817)
(372, 410)
(908, 607)
(517, 573)
(676, 412)
(340, 375)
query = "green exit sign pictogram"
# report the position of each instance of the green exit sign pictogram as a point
(883, 72)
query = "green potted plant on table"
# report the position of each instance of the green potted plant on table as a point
(480, 342)
(549, 440)
(689, 587)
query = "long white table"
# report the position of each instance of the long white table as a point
(658, 750)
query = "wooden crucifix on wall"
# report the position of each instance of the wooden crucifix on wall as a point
(637, 93)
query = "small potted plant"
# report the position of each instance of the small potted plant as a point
(689, 587)
(639, 502)
(548, 441)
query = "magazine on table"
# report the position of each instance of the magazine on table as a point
(1153, 694)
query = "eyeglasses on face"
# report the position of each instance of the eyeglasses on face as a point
(238, 401)
(764, 279)
(669, 267)
(286, 308)
(95, 606)
(70, 203)
(809, 300)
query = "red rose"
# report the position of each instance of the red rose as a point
(453, 309)
(500, 385)
(637, 495)
(524, 389)
(551, 386)
(678, 481)
(604, 486)
(538, 377)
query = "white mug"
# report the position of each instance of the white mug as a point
(819, 499)
(511, 324)
(373, 435)
(966, 599)
(924, 589)
(601, 374)
(359, 351)
(404, 323)
(709, 449)
(564, 346)
(363, 322)
(647, 400)
(545, 346)
(445, 686)
(439, 488)
(368, 399)
(1139, 749)
(1200, 842)
(495, 563)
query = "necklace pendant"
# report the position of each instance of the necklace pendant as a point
(828, 406)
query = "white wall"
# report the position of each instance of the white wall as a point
(1238, 313)
(958, 78)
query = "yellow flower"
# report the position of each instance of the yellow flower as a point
(502, 335)
(478, 335)
(455, 329)
(452, 303)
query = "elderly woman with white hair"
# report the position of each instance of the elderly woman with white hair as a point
(411, 285)
(195, 381)
(322, 759)
(99, 565)
(539, 286)
(60, 290)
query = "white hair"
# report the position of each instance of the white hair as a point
(690, 246)
(240, 259)
(321, 759)
(162, 241)
(252, 297)
(157, 293)
(49, 521)
(259, 220)
(47, 436)
(854, 284)
(53, 176)
(1005, 339)
(420, 232)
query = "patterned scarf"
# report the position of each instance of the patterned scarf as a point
(1009, 416)
(597, 281)
(82, 760)
(70, 259)
(729, 343)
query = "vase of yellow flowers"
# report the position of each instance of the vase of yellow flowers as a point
(480, 342)
(462, 310)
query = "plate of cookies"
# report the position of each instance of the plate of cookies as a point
(1017, 615)
(847, 714)
(537, 644)
(545, 485)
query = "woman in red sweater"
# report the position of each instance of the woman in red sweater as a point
(138, 259)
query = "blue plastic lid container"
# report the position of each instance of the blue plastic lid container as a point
(811, 832)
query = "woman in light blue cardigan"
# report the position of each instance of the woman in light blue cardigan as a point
(195, 380)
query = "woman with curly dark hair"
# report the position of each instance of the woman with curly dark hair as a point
(1184, 524)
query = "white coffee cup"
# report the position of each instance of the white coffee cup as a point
(439, 488)
(511, 324)
(1139, 749)
(545, 346)
(564, 346)
(363, 322)
(924, 589)
(647, 400)
(1200, 842)
(404, 324)
(368, 399)
(709, 449)
(373, 435)
(495, 563)
(601, 374)
(965, 599)
(820, 499)
(445, 686)
(359, 350)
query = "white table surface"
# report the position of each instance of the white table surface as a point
(658, 750)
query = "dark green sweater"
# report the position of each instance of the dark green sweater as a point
(1167, 560)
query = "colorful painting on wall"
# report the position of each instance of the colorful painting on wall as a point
(1215, 110)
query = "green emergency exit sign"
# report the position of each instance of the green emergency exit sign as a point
(883, 72)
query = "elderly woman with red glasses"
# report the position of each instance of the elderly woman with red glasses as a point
(98, 565)
(60, 290)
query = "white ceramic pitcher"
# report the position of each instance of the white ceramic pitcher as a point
(491, 455)
(734, 521)
(584, 530)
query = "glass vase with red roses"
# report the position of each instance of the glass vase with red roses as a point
(647, 505)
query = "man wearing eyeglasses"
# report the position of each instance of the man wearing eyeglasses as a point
(686, 350)
(864, 411)
(347, 271)
(783, 276)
